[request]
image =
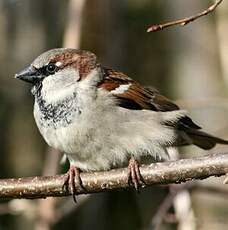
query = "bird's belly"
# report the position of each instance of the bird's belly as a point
(94, 151)
(60, 138)
(93, 143)
(82, 149)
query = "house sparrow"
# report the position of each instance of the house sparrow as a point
(102, 119)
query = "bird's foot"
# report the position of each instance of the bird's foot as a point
(134, 175)
(72, 179)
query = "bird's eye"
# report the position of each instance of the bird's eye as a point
(51, 68)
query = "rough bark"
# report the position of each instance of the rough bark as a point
(158, 173)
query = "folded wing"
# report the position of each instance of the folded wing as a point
(130, 94)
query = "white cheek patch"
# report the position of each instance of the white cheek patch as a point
(121, 89)
(59, 85)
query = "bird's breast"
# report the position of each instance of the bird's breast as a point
(56, 115)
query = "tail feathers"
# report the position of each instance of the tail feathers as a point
(190, 132)
(204, 140)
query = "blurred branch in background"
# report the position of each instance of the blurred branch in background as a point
(166, 204)
(47, 208)
(214, 102)
(180, 199)
(221, 26)
(184, 21)
(163, 214)
(158, 173)
(72, 34)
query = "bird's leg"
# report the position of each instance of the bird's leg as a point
(73, 178)
(134, 175)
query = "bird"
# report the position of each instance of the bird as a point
(103, 119)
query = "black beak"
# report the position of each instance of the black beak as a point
(29, 74)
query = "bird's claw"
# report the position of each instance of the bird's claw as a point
(134, 175)
(72, 179)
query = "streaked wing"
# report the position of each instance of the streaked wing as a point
(131, 95)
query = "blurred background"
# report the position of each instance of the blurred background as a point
(188, 64)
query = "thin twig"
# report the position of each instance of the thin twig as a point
(158, 173)
(184, 21)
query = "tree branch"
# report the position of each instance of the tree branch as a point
(157, 173)
(184, 21)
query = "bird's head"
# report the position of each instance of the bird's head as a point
(60, 68)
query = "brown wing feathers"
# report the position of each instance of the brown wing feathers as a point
(139, 97)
